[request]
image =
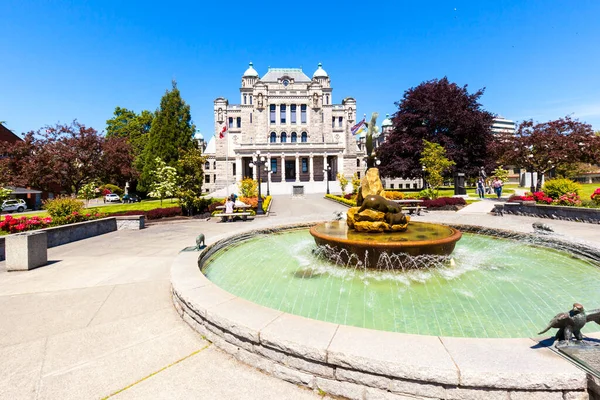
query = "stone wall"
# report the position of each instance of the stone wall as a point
(64, 234)
(578, 214)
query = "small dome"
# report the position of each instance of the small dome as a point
(251, 71)
(320, 72)
(198, 136)
(387, 121)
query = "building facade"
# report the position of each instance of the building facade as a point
(290, 121)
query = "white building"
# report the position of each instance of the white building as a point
(291, 121)
(502, 125)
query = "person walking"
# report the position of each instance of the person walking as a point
(481, 188)
(497, 185)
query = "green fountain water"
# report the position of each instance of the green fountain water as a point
(496, 288)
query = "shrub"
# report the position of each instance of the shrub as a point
(555, 188)
(443, 202)
(351, 203)
(111, 189)
(428, 193)
(159, 213)
(540, 197)
(393, 195)
(596, 196)
(569, 199)
(343, 182)
(350, 196)
(212, 207)
(248, 187)
(61, 207)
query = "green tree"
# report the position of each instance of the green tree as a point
(4, 193)
(433, 158)
(191, 176)
(172, 130)
(343, 182)
(134, 127)
(163, 181)
(88, 192)
(501, 173)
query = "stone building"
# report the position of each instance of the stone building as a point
(291, 121)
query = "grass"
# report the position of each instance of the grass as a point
(145, 205)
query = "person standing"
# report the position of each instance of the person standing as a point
(497, 185)
(481, 188)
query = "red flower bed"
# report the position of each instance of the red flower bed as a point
(22, 224)
(443, 202)
(159, 213)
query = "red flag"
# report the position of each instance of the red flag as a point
(222, 133)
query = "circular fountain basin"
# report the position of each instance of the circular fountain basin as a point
(420, 238)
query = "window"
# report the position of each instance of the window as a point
(327, 99)
(340, 120)
(333, 122)
(358, 162)
(293, 113)
(305, 165)
(283, 137)
(238, 122)
(358, 174)
(303, 113)
(250, 99)
(250, 117)
(207, 165)
(322, 116)
(294, 137)
(233, 165)
(231, 122)
(392, 186)
(214, 165)
(282, 111)
(274, 165)
(304, 137)
(273, 138)
(215, 178)
(245, 99)
(272, 112)
(206, 178)
(414, 185)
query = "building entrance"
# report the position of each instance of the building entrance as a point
(290, 170)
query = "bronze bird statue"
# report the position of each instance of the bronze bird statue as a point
(593, 316)
(569, 324)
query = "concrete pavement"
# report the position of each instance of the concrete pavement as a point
(99, 321)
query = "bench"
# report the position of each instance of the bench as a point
(412, 210)
(225, 216)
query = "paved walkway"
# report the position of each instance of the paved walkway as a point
(99, 320)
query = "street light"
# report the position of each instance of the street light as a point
(424, 182)
(326, 171)
(258, 163)
(532, 187)
(269, 172)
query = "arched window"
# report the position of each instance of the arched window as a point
(273, 138)
(304, 137)
(294, 137)
(283, 137)
(245, 97)
(214, 165)
(207, 165)
(250, 99)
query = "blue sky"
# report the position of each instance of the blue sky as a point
(65, 60)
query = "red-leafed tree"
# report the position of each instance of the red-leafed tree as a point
(540, 147)
(442, 112)
(65, 157)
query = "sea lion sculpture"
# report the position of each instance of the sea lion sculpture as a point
(200, 241)
(380, 203)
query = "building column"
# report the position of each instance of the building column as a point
(254, 175)
(238, 169)
(297, 167)
(283, 168)
(324, 167)
(311, 169)
(340, 163)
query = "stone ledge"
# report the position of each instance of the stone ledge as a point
(362, 363)
(577, 214)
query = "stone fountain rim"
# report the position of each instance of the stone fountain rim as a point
(343, 360)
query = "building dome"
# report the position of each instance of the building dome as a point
(198, 136)
(251, 71)
(320, 72)
(387, 121)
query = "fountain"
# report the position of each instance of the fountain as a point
(377, 226)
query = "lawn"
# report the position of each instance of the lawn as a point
(144, 205)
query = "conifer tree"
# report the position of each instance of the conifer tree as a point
(172, 130)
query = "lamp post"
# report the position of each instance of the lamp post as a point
(424, 182)
(269, 172)
(326, 171)
(258, 163)
(532, 187)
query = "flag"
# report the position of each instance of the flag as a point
(222, 133)
(359, 127)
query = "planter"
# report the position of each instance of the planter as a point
(64, 234)
(26, 250)
(530, 209)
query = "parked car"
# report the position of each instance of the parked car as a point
(13, 205)
(109, 198)
(131, 198)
